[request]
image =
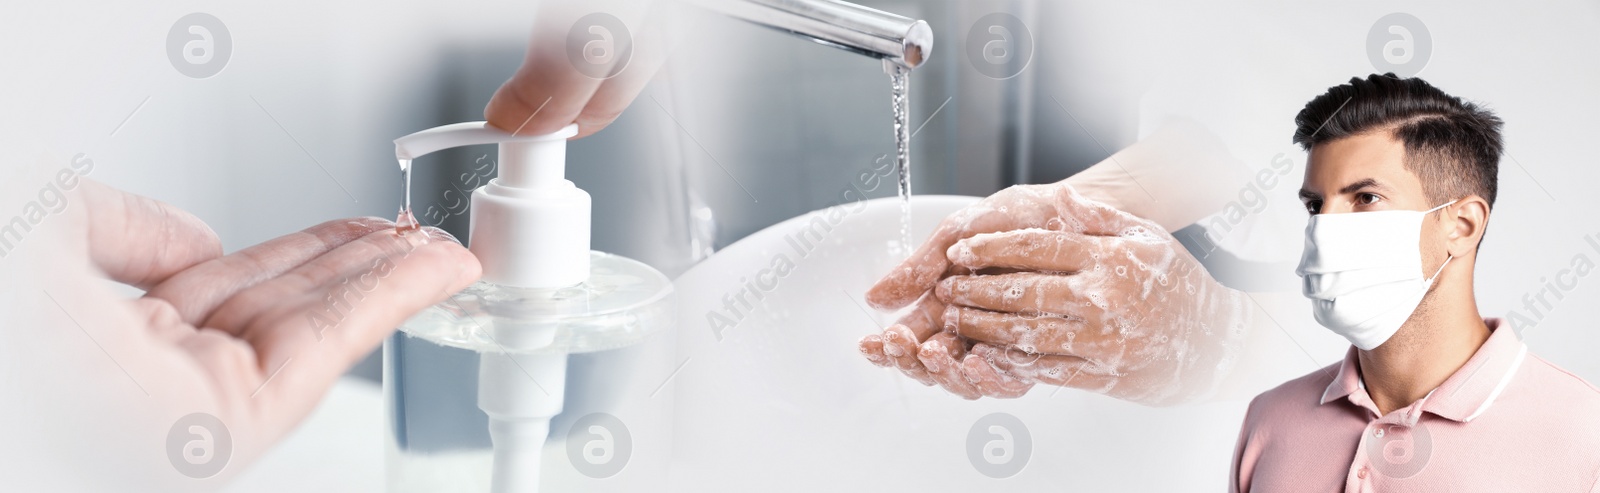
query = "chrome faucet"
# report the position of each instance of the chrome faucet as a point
(895, 39)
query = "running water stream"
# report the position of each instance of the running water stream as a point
(900, 87)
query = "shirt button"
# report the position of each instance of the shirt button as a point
(1362, 473)
(1378, 432)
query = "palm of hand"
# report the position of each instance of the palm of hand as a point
(256, 337)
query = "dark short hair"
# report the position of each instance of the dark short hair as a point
(1452, 145)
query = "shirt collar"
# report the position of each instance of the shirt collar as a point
(1464, 396)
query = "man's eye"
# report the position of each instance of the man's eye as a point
(1312, 206)
(1367, 198)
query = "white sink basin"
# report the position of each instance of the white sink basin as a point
(782, 400)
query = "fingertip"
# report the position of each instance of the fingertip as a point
(952, 318)
(503, 105)
(945, 290)
(587, 130)
(906, 344)
(899, 331)
(971, 369)
(929, 355)
(141, 241)
(469, 269)
(983, 350)
(893, 350)
(995, 381)
(526, 104)
(980, 365)
(591, 121)
(874, 340)
(962, 254)
(871, 348)
(909, 280)
(441, 250)
(984, 364)
(886, 294)
(210, 246)
(994, 356)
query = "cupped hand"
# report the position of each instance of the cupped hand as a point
(1131, 315)
(1039, 284)
(919, 347)
(947, 359)
(1054, 207)
(258, 336)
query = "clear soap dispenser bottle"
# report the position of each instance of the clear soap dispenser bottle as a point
(471, 385)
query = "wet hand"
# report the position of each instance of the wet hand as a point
(1129, 314)
(1022, 275)
(919, 347)
(901, 346)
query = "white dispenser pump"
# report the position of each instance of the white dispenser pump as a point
(530, 225)
(543, 296)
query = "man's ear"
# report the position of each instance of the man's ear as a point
(1465, 221)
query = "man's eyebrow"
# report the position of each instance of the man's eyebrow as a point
(1361, 184)
(1308, 195)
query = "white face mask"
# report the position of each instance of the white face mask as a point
(1363, 273)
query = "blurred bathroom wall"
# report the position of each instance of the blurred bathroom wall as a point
(754, 125)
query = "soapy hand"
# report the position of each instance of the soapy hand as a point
(1038, 284)
(256, 337)
(917, 346)
(1131, 315)
(1055, 206)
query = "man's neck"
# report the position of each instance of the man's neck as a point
(1435, 342)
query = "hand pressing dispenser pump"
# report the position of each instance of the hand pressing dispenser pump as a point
(543, 295)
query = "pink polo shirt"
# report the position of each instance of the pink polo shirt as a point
(1507, 421)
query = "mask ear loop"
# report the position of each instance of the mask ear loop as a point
(1448, 257)
(1441, 206)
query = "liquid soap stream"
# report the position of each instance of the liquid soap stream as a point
(406, 221)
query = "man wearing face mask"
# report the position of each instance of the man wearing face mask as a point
(1400, 183)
